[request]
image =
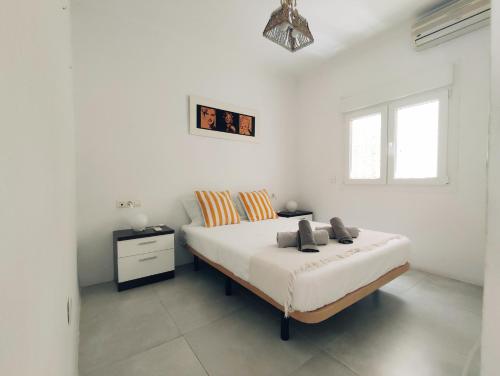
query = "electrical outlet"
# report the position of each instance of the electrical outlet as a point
(128, 204)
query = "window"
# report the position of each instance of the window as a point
(402, 142)
(367, 145)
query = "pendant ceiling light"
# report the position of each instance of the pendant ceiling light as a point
(288, 28)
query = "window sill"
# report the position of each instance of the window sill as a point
(401, 182)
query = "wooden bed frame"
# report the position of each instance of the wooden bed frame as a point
(310, 317)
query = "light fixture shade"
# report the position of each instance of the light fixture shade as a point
(138, 222)
(288, 28)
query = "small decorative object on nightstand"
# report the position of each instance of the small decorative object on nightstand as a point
(143, 257)
(291, 206)
(138, 222)
(298, 214)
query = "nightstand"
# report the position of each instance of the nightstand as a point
(143, 257)
(298, 214)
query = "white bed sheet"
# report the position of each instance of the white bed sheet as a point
(233, 246)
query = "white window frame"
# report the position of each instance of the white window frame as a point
(388, 142)
(442, 96)
(383, 144)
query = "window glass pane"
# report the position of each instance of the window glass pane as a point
(417, 140)
(365, 147)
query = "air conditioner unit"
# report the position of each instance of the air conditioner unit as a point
(450, 21)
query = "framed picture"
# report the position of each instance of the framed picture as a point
(221, 120)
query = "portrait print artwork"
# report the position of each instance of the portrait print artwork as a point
(215, 119)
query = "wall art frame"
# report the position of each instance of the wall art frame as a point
(211, 118)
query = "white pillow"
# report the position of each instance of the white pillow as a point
(193, 210)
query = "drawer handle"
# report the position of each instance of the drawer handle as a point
(148, 258)
(146, 243)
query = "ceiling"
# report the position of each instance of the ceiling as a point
(338, 24)
(232, 29)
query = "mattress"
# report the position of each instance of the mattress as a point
(233, 247)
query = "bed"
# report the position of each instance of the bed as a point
(247, 254)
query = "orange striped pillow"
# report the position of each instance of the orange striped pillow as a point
(217, 208)
(257, 205)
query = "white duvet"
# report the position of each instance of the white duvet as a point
(235, 246)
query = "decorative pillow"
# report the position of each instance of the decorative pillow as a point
(193, 210)
(217, 208)
(239, 206)
(257, 205)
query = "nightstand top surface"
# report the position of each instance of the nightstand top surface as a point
(130, 234)
(296, 213)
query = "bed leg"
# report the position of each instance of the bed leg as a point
(376, 297)
(229, 287)
(285, 328)
(196, 262)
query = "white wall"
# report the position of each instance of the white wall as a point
(135, 67)
(491, 324)
(37, 191)
(446, 223)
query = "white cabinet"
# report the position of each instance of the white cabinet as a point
(143, 257)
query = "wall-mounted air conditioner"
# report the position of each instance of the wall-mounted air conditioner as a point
(450, 21)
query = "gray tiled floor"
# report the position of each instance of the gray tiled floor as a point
(420, 324)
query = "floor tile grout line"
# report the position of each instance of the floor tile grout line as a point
(96, 368)
(182, 335)
(340, 361)
(318, 351)
(169, 315)
(225, 316)
(301, 332)
(406, 291)
(418, 283)
(202, 326)
(196, 355)
(322, 350)
(179, 335)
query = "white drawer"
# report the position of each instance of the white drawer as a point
(139, 266)
(145, 245)
(309, 217)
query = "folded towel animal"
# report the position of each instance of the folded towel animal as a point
(353, 231)
(290, 239)
(341, 233)
(306, 241)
